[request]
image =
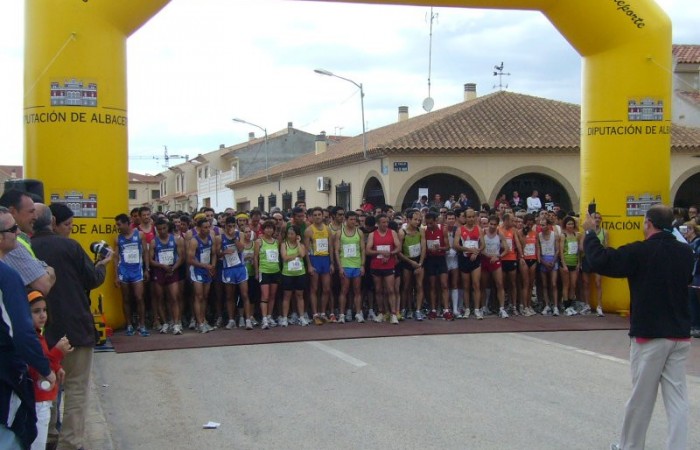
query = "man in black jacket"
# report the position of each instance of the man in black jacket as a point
(70, 315)
(658, 270)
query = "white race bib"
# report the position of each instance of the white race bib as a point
(572, 247)
(294, 265)
(322, 245)
(232, 259)
(132, 254)
(205, 256)
(166, 257)
(272, 255)
(529, 249)
(349, 250)
(433, 244)
(413, 250)
(509, 242)
(386, 248)
(471, 244)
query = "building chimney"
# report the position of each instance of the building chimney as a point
(222, 146)
(290, 127)
(469, 91)
(251, 135)
(321, 143)
(403, 113)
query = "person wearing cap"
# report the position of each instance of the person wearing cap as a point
(71, 316)
(44, 395)
(19, 346)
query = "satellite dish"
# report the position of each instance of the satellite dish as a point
(428, 104)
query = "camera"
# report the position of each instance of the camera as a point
(101, 249)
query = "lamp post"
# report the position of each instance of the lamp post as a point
(362, 104)
(264, 130)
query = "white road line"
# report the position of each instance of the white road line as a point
(574, 349)
(338, 354)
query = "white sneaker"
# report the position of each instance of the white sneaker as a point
(467, 312)
(532, 311)
(241, 322)
(359, 318)
(219, 322)
(177, 329)
(570, 311)
(248, 324)
(265, 324)
(283, 322)
(555, 311)
(341, 318)
(599, 311)
(379, 318)
(303, 321)
(515, 311)
(546, 311)
(164, 328)
(203, 328)
(394, 319)
(502, 313)
(231, 324)
(271, 322)
(522, 310)
(371, 315)
(419, 315)
(478, 314)
(193, 324)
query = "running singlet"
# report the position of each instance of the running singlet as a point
(166, 253)
(231, 259)
(493, 245)
(547, 245)
(319, 241)
(248, 255)
(510, 236)
(130, 252)
(203, 252)
(570, 250)
(530, 249)
(350, 255)
(295, 267)
(383, 244)
(434, 239)
(269, 257)
(411, 245)
(148, 235)
(469, 238)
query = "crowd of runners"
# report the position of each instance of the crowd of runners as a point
(328, 265)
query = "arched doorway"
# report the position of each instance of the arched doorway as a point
(688, 193)
(373, 192)
(443, 184)
(543, 184)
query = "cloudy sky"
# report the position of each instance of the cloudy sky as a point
(200, 63)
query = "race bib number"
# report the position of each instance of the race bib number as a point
(132, 254)
(322, 245)
(166, 257)
(349, 250)
(294, 265)
(384, 248)
(529, 249)
(509, 243)
(205, 256)
(272, 255)
(232, 259)
(471, 244)
(572, 247)
(433, 244)
(413, 250)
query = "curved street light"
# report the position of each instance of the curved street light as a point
(264, 130)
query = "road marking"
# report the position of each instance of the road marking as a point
(574, 349)
(338, 354)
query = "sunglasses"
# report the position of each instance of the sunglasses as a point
(12, 229)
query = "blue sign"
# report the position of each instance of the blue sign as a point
(401, 166)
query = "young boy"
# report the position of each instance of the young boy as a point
(45, 395)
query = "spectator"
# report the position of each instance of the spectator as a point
(534, 204)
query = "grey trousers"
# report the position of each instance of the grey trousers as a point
(658, 361)
(78, 366)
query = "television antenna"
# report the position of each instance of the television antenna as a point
(165, 157)
(500, 74)
(428, 103)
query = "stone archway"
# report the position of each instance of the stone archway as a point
(373, 192)
(687, 192)
(443, 184)
(544, 180)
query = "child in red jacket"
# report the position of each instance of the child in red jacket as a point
(45, 395)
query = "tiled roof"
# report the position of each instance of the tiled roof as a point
(139, 178)
(691, 96)
(6, 171)
(687, 54)
(498, 122)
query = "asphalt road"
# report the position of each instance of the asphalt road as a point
(476, 391)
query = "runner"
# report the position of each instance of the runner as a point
(349, 257)
(495, 247)
(234, 274)
(412, 256)
(267, 270)
(530, 244)
(293, 272)
(166, 256)
(469, 243)
(570, 245)
(452, 263)
(588, 272)
(317, 239)
(436, 240)
(201, 256)
(382, 246)
(511, 259)
(131, 272)
(549, 251)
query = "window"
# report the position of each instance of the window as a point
(206, 172)
(163, 186)
(261, 203)
(199, 173)
(287, 201)
(132, 194)
(301, 195)
(155, 194)
(342, 195)
(271, 201)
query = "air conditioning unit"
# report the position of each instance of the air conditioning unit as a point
(323, 184)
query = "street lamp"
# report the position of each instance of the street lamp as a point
(264, 130)
(362, 103)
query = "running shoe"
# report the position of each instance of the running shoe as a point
(130, 331)
(241, 322)
(555, 311)
(478, 314)
(306, 316)
(164, 328)
(502, 313)
(193, 324)
(409, 314)
(546, 311)
(348, 315)
(219, 322)
(371, 315)
(283, 322)
(400, 316)
(466, 313)
(265, 324)
(143, 332)
(248, 324)
(432, 315)
(271, 322)
(394, 319)
(359, 318)
(570, 311)
(379, 318)
(294, 319)
(318, 320)
(447, 315)
(203, 328)
(486, 311)
(304, 322)
(331, 318)
(585, 310)
(522, 310)
(419, 315)
(177, 329)
(231, 324)
(341, 318)
(599, 311)
(387, 317)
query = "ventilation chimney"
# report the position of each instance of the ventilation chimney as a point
(290, 128)
(251, 135)
(321, 143)
(222, 146)
(469, 91)
(403, 113)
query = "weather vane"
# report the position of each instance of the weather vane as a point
(500, 74)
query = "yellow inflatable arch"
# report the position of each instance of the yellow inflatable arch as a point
(76, 115)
